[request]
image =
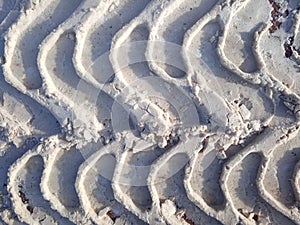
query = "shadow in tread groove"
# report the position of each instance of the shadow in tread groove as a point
(98, 185)
(285, 169)
(140, 195)
(63, 176)
(239, 44)
(11, 155)
(30, 185)
(246, 197)
(100, 37)
(140, 69)
(211, 190)
(29, 42)
(173, 188)
(249, 64)
(61, 66)
(175, 31)
(208, 51)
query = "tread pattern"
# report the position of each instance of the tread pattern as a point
(149, 112)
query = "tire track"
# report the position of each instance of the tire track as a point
(146, 127)
(12, 42)
(59, 178)
(98, 33)
(257, 145)
(276, 86)
(172, 25)
(284, 159)
(32, 164)
(204, 20)
(133, 31)
(107, 210)
(238, 48)
(157, 179)
(45, 9)
(237, 114)
(59, 74)
(22, 117)
(292, 214)
(59, 19)
(117, 43)
(99, 217)
(11, 155)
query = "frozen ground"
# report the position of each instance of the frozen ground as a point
(149, 112)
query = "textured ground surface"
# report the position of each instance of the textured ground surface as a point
(149, 112)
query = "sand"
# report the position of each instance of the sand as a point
(149, 112)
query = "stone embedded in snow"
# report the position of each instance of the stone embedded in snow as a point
(245, 112)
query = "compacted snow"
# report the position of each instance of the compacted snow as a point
(149, 112)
